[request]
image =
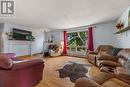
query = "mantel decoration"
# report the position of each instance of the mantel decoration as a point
(120, 28)
(120, 25)
(10, 35)
(30, 38)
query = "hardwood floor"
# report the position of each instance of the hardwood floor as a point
(51, 76)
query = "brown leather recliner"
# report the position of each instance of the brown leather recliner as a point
(119, 60)
(102, 49)
(113, 82)
(119, 78)
(15, 72)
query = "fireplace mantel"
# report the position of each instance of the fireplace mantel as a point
(20, 47)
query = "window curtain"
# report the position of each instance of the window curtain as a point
(90, 39)
(65, 43)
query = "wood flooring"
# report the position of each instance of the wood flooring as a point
(51, 76)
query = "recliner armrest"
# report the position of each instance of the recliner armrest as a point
(107, 57)
(92, 52)
(26, 63)
(109, 63)
(86, 82)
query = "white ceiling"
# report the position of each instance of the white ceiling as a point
(63, 14)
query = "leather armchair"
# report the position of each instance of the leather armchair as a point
(20, 73)
(54, 50)
(102, 49)
(53, 53)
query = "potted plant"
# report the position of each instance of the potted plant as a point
(30, 38)
(10, 35)
(119, 25)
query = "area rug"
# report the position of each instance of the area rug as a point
(74, 71)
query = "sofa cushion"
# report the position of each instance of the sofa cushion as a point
(122, 74)
(102, 77)
(103, 48)
(102, 53)
(86, 82)
(5, 62)
(124, 77)
(114, 82)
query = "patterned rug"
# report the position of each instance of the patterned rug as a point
(74, 71)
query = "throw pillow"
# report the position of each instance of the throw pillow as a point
(5, 62)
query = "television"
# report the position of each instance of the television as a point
(19, 34)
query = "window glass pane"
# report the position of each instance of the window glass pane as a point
(77, 41)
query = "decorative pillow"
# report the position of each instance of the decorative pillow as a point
(5, 62)
(114, 51)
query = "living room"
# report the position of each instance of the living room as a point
(65, 43)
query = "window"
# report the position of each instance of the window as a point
(77, 42)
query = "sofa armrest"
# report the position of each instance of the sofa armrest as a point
(92, 52)
(107, 57)
(86, 82)
(26, 63)
(109, 63)
(10, 55)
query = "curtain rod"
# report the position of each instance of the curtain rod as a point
(79, 27)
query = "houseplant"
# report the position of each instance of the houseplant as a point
(10, 35)
(119, 25)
